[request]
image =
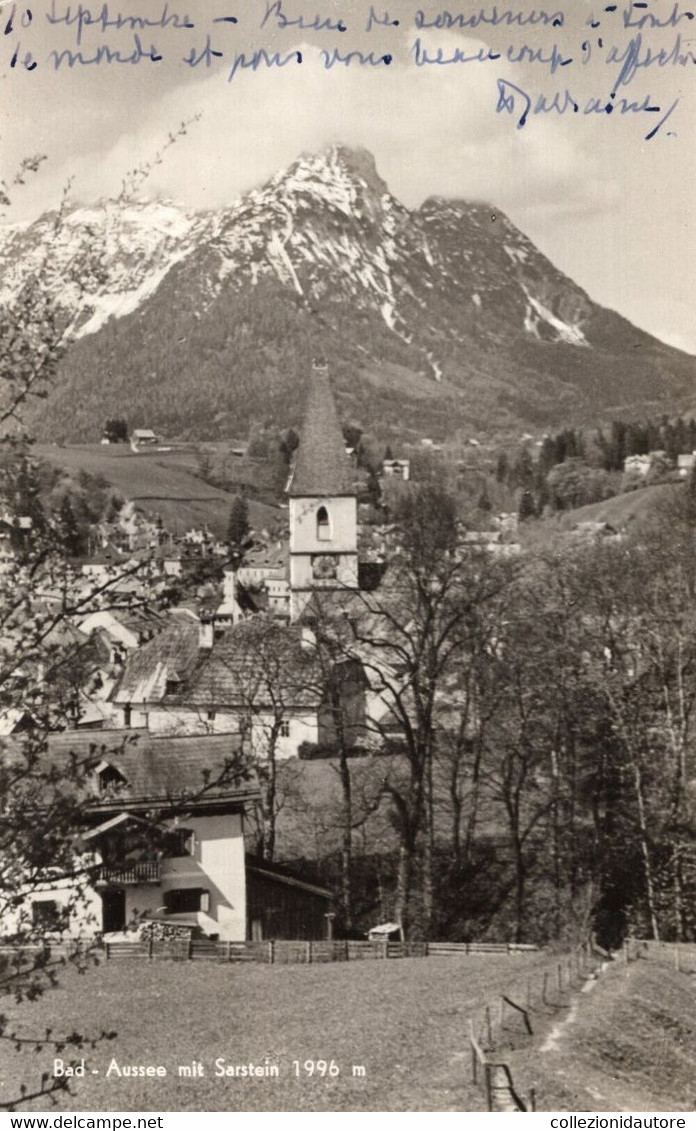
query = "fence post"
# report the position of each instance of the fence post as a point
(308, 952)
(271, 951)
(474, 1055)
(150, 947)
(543, 992)
(229, 951)
(489, 1028)
(190, 947)
(106, 951)
(559, 977)
(489, 1087)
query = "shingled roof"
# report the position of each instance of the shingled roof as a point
(254, 663)
(199, 770)
(321, 466)
(172, 654)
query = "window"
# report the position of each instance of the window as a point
(211, 716)
(181, 901)
(109, 777)
(284, 729)
(180, 842)
(323, 525)
(46, 915)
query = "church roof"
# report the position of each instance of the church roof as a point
(322, 466)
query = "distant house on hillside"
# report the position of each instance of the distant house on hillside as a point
(653, 461)
(637, 465)
(143, 437)
(596, 529)
(397, 468)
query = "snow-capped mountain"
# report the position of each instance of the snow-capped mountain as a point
(137, 242)
(433, 318)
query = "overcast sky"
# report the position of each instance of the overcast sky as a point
(613, 210)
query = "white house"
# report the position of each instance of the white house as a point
(162, 839)
(396, 468)
(260, 680)
(638, 465)
(163, 835)
(143, 437)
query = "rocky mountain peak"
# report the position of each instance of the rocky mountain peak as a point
(338, 178)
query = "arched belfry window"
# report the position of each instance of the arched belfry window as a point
(323, 525)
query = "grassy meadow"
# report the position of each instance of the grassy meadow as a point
(397, 1030)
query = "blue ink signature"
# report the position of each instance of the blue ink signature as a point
(514, 100)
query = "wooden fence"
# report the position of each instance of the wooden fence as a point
(283, 952)
(513, 1016)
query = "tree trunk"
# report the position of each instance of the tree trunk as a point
(678, 895)
(269, 806)
(556, 845)
(347, 840)
(403, 886)
(520, 886)
(645, 853)
(428, 848)
(473, 805)
(346, 807)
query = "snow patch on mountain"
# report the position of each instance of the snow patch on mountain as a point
(102, 261)
(567, 332)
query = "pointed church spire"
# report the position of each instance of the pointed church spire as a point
(321, 466)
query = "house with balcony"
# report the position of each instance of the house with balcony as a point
(162, 840)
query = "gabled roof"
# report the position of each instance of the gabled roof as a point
(254, 665)
(284, 877)
(148, 668)
(197, 771)
(322, 467)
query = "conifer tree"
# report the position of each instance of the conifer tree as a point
(238, 525)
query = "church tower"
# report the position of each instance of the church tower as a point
(323, 506)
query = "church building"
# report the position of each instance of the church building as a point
(323, 507)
